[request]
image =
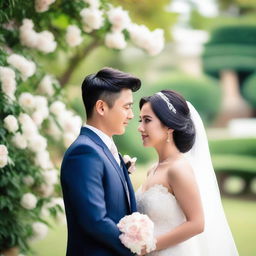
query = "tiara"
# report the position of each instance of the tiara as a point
(169, 104)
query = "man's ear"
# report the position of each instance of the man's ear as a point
(100, 107)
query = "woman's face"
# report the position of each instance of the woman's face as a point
(153, 132)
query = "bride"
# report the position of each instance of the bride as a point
(181, 194)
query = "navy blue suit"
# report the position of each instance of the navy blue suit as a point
(95, 197)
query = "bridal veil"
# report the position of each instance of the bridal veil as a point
(217, 238)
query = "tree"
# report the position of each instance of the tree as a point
(231, 55)
(151, 14)
(31, 101)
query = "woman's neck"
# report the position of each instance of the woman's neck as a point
(167, 151)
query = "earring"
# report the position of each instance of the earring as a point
(168, 137)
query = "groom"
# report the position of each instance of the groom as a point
(96, 187)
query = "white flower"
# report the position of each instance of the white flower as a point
(3, 161)
(26, 67)
(27, 100)
(130, 162)
(118, 18)
(11, 123)
(45, 86)
(24, 119)
(87, 29)
(19, 141)
(40, 102)
(92, 18)
(3, 150)
(46, 42)
(43, 5)
(68, 139)
(139, 34)
(73, 36)
(7, 78)
(3, 156)
(44, 212)
(115, 40)
(46, 190)
(40, 230)
(28, 201)
(54, 130)
(28, 37)
(41, 110)
(94, 4)
(28, 180)
(57, 108)
(71, 124)
(43, 41)
(156, 43)
(50, 176)
(40, 115)
(37, 143)
(28, 126)
(152, 42)
(42, 160)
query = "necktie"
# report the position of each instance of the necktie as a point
(114, 152)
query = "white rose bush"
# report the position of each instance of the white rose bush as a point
(34, 114)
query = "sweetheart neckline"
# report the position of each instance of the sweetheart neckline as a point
(164, 188)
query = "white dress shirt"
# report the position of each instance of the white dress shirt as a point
(107, 140)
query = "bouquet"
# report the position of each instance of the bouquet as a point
(137, 232)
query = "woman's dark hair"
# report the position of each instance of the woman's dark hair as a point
(180, 122)
(106, 85)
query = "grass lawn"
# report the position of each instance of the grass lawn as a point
(240, 214)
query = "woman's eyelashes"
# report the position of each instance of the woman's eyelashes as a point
(146, 120)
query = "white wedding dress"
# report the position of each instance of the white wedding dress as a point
(163, 209)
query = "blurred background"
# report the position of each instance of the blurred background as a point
(210, 58)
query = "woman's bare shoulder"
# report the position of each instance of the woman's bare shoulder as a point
(179, 168)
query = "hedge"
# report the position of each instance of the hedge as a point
(244, 147)
(234, 164)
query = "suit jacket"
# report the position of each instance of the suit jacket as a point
(95, 196)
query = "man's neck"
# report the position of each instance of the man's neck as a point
(99, 126)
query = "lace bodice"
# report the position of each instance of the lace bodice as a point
(163, 209)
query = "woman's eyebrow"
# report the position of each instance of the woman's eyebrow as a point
(146, 116)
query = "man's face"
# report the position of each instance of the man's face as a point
(117, 117)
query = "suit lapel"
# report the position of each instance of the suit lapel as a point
(92, 135)
(130, 187)
(115, 164)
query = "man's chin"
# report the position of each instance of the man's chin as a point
(120, 132)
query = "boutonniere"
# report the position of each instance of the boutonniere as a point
(130, 163)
